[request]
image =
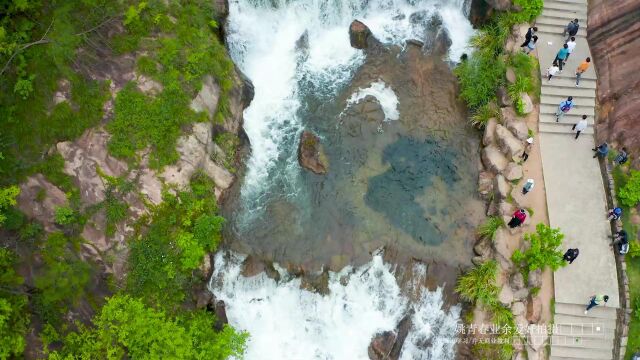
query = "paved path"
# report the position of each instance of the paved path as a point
(575, 195)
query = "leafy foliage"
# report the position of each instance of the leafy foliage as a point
(127, 328)
(485, 112)
(543, 250)
(479, 77)
(183, 228)
(65, 215)
(629, 194)
(531, 9)
(63, 280)
(7, 199)
(229, 143)
(489, 228)
(478, 285)
(14, 320)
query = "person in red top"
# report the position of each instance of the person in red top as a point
(518, 218)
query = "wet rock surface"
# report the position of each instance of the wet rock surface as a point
(311, 155)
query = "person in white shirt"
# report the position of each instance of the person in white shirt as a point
(552, 70)
(580, 126)
(571, 45)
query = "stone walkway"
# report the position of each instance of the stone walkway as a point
(575, 195)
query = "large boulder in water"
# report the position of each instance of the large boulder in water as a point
(359, 35)
(311, 155)
(381, 345)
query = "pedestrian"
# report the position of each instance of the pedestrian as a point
(531, 45)
(601, 150)
(621, 242)
(597, 300)
(527, 148)
(564, 108)
(571, 46)
(561, 56)
(580, 126)
(622, 157)
(571, 29)
(528, 186)
(530, 34)
(518, 218)
(581, 69)
(614, 214)
(571, 255)
(552, 70)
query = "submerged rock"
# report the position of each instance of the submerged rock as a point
(311, 155)
(381, 345)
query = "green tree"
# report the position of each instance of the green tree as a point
(629, 194)
(7, 199)
(127, 328)
(64, 215)
(14, 320)
(544, 250)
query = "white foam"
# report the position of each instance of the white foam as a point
(385, 96)
(286, 322)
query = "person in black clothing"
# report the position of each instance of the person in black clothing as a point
(530, 33)
(621, 241)
(571, 29)
(571, 255)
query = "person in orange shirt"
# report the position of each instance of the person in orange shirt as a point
(581, 69)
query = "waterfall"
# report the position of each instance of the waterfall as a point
(287, 322)
(262, 38)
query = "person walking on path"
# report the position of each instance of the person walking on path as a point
(530, 34)
(561, 56)
(571, 255)
(622, 157)
(580, 126)
(614, 214)
(571, 29)
(528, 186)
(531, 45)
(564, 108)
(571, 45)
(518, 218)
(597, 300)
(552, 70)
(601, 150)
(581, 69)
(527, 148)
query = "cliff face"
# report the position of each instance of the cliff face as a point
(614, 38)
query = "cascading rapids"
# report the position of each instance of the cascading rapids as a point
(262, 37)
(286, 322)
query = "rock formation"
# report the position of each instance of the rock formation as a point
(614, 39)
(311, 155)
(359, 35)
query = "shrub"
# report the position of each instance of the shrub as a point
(629, 194)
(489, 228)
(64, 215)
(485, 112)
(7, 199)
(479, 77)
(543, 250)
(531, 9)
(478, 285)
(14, 318)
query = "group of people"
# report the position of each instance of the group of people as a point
(620, 239)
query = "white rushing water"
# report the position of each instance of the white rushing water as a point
(286, 322)
(262, 37)
(385, 96)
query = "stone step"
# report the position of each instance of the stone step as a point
(583, 331)
(566, 74)
(562, 14)
(554, 21)
(581, 342)
(578, 101)
(567, 91)
(569, 120)
(557, 29)
(601, 312)
(585, 320)
(576, 111)
(569, 82)
(557, 128)
(580, 8)
(578, 353)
